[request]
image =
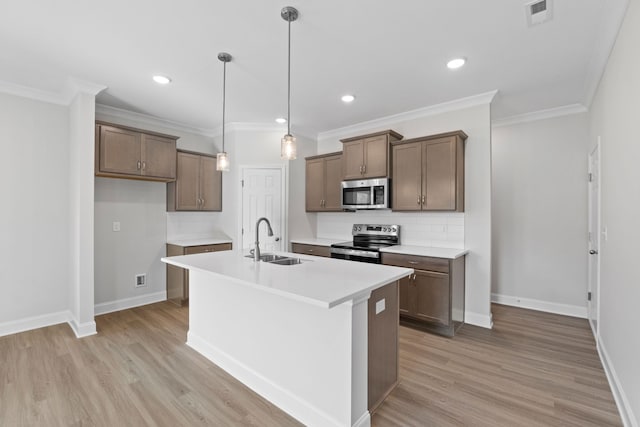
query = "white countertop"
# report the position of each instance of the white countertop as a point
(324, 282)
(317, 242)
(447, 253)
(199, 241)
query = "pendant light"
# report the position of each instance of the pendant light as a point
(222, 159)
(288, 143)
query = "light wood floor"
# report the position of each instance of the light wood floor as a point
(531, 369)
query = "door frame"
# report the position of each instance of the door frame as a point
(591, 280)
(284, 204)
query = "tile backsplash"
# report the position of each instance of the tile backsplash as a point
(437, 229)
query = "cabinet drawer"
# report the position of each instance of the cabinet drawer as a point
(416, 262)
(316, 250)
(207, 248)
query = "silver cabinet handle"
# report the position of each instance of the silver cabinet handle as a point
(277, 239)
(138, 165)
(413, 262)
(203, 202)
(418, 199)
(423, 200)
(144, 165)
(593, 252)
(309, 250)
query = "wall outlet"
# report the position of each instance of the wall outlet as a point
(380, 306)
(141, 280)
(116, 225)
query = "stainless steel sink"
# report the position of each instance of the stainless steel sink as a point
(277, 259)
(287, 261)
(269, 257)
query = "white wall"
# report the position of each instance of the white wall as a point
(540, 214)
(475, 121)
(614, 117)
(140, 207)
(249, 145)
(34, 174)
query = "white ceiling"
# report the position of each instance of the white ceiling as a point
(391, 55)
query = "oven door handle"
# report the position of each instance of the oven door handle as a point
(354, 252)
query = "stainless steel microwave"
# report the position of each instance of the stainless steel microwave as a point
(366, 194)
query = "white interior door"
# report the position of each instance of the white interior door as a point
(594, 238)
(262, 196)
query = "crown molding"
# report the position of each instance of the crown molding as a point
(75, 86)
(33, 93)
(432, 110)
(609, 30)
(64, 97)
(120, 113)
(550, 113)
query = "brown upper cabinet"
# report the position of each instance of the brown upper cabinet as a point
(322, 185)
(367, 156)
(198, 186)
(123, 152)
(428, 173)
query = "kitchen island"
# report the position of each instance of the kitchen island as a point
(299, 335)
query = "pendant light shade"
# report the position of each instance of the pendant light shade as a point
(222, 159)
(288, 147)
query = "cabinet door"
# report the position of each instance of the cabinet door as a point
(332, 183)
(431, 297)
(158, 156)
(439, 174)
(314, 185)
(188, 182)
(210, 185)
(352, 159)
(376, 154)
(404, 284)
(407, 177)
(120, 151)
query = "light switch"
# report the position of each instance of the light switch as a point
(380, 306)
(116, 225)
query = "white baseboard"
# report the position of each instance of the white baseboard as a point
(35, 322)
(624, 407)
(477, 319)
(534, 304)
(363, 421)
(125, 303)
(300, 409)
(82, 329)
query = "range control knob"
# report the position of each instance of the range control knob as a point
(393, 229)
(359, 228)
(384, 229)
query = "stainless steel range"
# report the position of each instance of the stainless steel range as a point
(368, 239)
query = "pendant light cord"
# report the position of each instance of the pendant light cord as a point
(289, 83)
(224, 99)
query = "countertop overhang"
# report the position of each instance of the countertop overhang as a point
(323, 282)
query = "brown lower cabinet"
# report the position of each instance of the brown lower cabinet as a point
(432, 298)
(317, 250)
(178, 278)
(382, 344)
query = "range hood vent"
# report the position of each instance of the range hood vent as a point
(539, 11)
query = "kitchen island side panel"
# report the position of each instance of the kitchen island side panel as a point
(310, 361)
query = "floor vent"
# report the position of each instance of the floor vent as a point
(539, 11)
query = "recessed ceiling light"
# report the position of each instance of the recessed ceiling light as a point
(281, 120)
(348, 98)
(456, 63)
(161, 80)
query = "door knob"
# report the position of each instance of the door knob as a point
(277, 239)
(593, 252)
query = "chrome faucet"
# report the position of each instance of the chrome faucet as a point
(256, 251)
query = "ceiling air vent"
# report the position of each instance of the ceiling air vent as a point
(539, 11)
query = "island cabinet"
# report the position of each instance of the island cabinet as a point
(428, 173)
(123, 152)
(322, 186)
(198, 186)
(367, 156)
(317, 250)
(178, 278)
(432, 298)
